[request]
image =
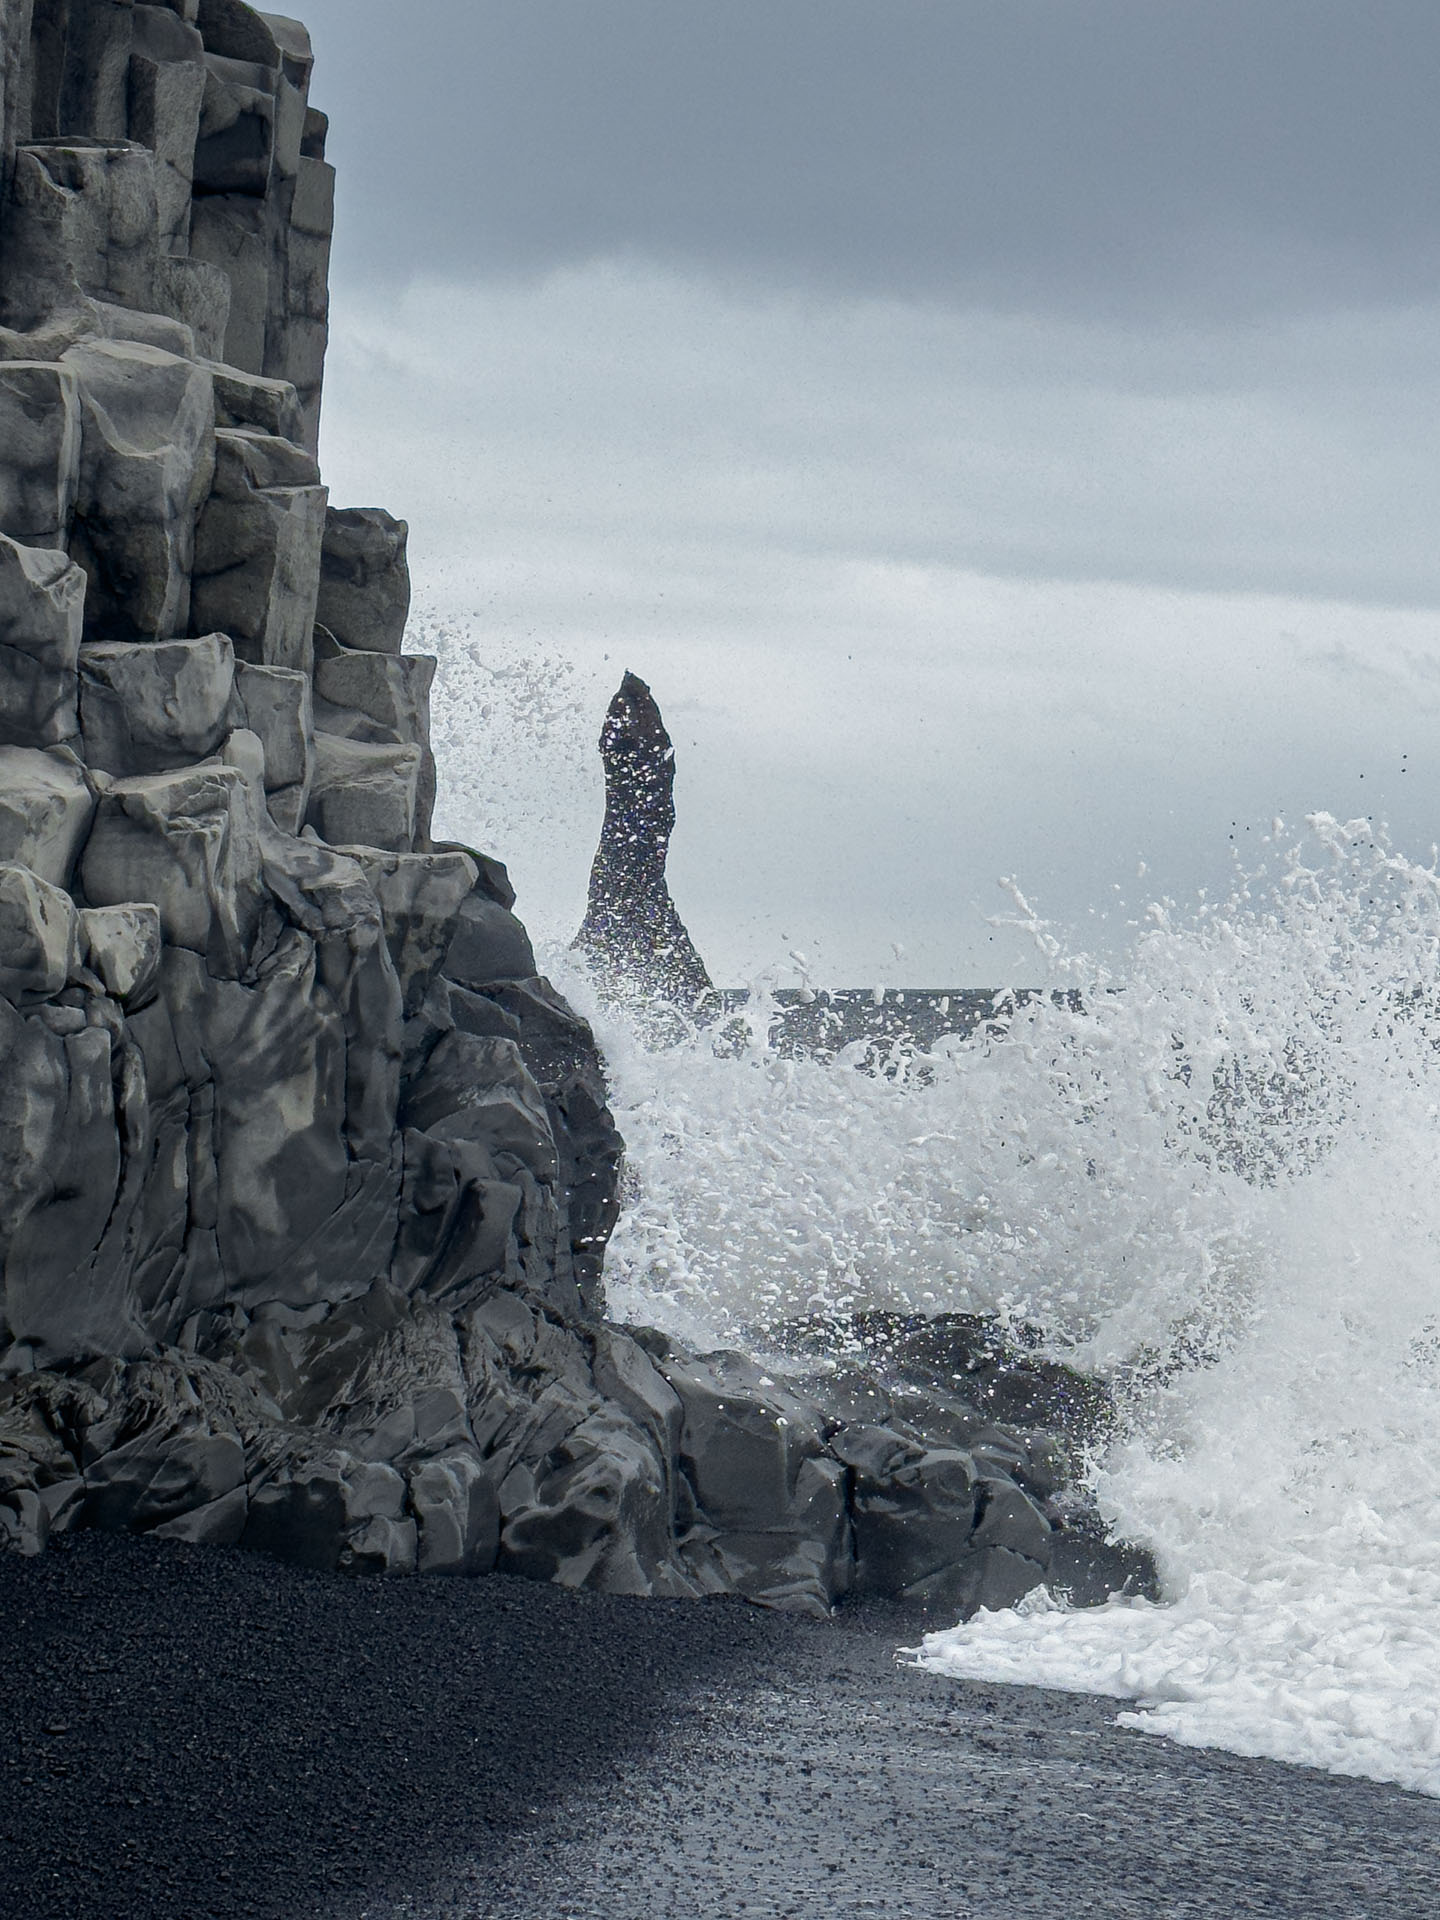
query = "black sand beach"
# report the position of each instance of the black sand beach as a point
(194, 1735)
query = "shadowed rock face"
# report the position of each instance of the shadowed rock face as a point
(631, 931)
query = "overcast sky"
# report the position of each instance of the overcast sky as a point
(1003, 433)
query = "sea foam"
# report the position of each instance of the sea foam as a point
(1211, 1175)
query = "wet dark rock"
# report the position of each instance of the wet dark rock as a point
(46, 806)
(488, 945)
(631, 933)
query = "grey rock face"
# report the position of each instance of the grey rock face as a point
(148, 707)
(306, 1175)
(147, 454)
(166, 85)
(364, 580)
(122, 947)
(82, 218)
(46, 807)
(39, 937)
(488, 945)
(258, 546)
(421, 896)
(364, 793)
(42, 614)
(189, 842)
(40, 431)
(278, 705)
(631, 932)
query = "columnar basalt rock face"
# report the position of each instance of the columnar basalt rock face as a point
(306, 1174)
(237, 1097)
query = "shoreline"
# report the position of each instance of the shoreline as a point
(204, 1734)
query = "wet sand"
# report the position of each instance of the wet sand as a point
(210, 1735)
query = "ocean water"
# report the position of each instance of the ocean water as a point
(1213, 1177)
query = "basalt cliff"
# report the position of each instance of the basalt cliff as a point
(305, 1174)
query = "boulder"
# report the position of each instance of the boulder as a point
(365, 579)
(40, 434)
(476, 1013)
(802, 1565)
(257, 554)
(190, 842)
(494, 880)
(420, 895)
(121, 947)
(591, 1512)
(45, 811)
(743, 1440)
(457, 1514)
(39, 938)
(325, 1509)
(42, 614)
(489, 945)
(147, 707)
(165, 1475)
(363, 795)
(146, 463)
(930, 1529)
(41, 1491)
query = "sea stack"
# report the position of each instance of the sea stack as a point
(631, 933)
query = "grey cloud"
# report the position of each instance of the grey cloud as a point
(645, 417)
(794, 518)
(1121, 155)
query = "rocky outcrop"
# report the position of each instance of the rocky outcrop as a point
(306, 1174)
(270, 1052)
(455, 1430)
(631, 934)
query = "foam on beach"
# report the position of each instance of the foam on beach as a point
(1215, 1181)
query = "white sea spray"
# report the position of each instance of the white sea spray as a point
(1213, 1176)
